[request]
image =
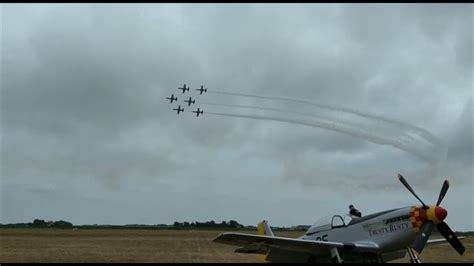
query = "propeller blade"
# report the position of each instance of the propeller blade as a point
(444, 229)
(405, 183)
(443, 191)
(422, 237)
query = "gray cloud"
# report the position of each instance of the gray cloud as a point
(460, 148)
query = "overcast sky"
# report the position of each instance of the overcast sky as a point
(88, 136)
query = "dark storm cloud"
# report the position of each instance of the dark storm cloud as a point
(83, 90)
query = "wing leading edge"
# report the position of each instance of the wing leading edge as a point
(439, 241)
(260, 244)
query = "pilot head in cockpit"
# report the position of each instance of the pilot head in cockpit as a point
(354, 212)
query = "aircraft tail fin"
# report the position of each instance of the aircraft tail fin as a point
(263, 229)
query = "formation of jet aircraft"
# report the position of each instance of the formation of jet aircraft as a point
(190, 101)
(380, 237)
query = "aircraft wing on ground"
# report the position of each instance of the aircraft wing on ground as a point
(260, 244)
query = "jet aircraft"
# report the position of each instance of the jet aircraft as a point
(190, 101)
(172, 98)
(198, 112)
(184, 88)
(201, 90)
(379, 237)
(179, 109)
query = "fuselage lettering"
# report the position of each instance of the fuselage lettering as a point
(322, 238)
(388, 229)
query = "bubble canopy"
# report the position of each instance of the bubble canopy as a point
(327, 223)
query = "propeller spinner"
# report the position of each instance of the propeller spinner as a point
(433, 216)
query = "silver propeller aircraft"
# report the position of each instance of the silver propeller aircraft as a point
(379, 237)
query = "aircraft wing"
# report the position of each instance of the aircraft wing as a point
(260, 244)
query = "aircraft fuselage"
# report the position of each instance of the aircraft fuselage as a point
(390, 230)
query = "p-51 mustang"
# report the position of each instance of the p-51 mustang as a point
(378, 237)
(172, 98)
(179, 109)
(184, 88)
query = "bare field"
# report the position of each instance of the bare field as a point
(65, 245)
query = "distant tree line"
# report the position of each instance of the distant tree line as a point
(55, 224)
(209, 224)
(232, 224)
(37, 223)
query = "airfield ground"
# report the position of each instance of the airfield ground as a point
(66, 245)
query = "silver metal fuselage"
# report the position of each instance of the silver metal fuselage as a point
(390, 230)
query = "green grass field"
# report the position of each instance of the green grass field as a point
(66, 245)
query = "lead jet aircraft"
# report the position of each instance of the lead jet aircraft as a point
(179, 109)
(201, 90)
(184, 88)
(379, 237)
(190, 101)
(172, 98)
(198, 112)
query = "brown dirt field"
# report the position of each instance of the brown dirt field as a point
(65, 245)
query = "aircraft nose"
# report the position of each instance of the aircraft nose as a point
(440, 213)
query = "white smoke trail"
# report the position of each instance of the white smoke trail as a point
(253, 107)
(370, 127)
(339, 127)
(403, 138)
(409, 129)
